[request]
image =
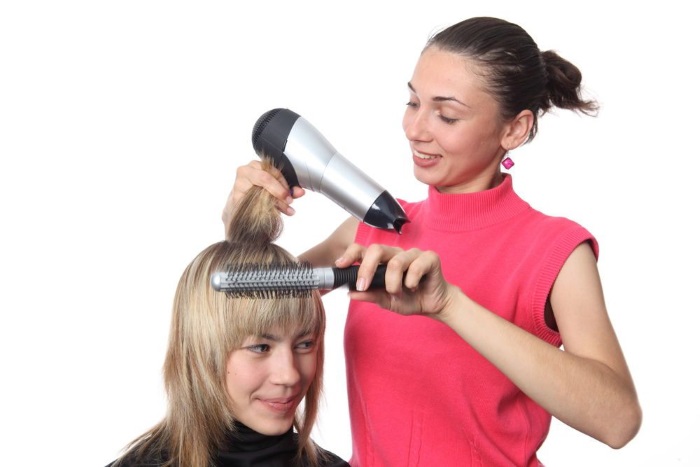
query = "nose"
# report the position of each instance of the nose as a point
(415, 125)
(285, 370)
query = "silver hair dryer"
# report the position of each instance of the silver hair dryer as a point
(308, 160)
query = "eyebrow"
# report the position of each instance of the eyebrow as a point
(439, 98)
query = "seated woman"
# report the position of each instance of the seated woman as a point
(237, 368)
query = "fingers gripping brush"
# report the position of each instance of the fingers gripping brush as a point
(280, 281)
(308, 160)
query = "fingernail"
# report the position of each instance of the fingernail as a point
(288, 200)
(290, 210)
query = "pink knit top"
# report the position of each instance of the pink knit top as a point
(419, 395)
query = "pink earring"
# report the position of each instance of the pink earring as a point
(507, 163)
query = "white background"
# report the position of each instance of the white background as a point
(122, 124)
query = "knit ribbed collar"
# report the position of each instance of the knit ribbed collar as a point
(242, 439)
(473, 211)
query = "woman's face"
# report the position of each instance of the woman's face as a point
(453, 125)
(268, 376)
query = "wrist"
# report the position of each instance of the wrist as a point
(455, 300)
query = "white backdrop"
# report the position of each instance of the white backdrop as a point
(122, 123)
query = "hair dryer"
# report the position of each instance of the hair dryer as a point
(307, 159)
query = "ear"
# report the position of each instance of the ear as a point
(517, 130)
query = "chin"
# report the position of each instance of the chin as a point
(425, 180)
(417, 174)
(269, 424)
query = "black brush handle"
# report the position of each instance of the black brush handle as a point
(343, 276)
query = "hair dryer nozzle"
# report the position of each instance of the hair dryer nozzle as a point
(386, 213)
(307, 159)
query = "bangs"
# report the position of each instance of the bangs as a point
(258, 316)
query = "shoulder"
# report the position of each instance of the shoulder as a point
(328, 459)
(562, 232)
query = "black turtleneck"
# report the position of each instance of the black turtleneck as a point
(248, 448)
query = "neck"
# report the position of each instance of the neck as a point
(481, 183)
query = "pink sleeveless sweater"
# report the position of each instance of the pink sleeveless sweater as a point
(419, 395)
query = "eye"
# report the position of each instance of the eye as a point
(412, 104)
(258, 348)
(448, 120)
(306, 345)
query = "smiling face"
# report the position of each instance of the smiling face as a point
(267, 378)
(453, 125)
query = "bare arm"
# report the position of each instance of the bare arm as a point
(587, 386)
(328, 251)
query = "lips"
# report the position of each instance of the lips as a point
(424, 160)
(424, 156)
(283, 404)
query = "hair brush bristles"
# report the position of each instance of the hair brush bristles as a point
(267, 281)
(268, 294)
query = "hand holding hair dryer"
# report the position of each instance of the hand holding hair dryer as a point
(308, 160)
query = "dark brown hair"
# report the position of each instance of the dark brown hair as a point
(515, 72)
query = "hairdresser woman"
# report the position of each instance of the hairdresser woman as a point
(509, 325)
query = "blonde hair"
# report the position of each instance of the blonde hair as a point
(207, 325)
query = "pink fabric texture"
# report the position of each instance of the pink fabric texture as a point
(419, 395)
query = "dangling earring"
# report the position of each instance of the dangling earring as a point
(507, 163)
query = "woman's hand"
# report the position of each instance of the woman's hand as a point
(414, 283)
(253, 174)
